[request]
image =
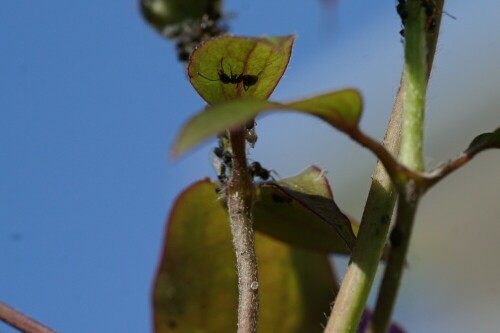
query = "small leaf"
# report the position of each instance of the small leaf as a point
(342, 109)
(301, 211)
(485, 141)
(228, 67)
(215, 120)
(195, 289)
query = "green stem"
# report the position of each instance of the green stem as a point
(415, 87)
(353, 294)
(357, 282)
(240, 204)
(411, 156)
(400, 240)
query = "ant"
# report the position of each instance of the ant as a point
(257, 170)
(247, 79)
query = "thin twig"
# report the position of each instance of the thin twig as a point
(21, 321)
(240, 201)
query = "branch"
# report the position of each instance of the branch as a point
(21, 321)
(240, 202)
(420, 20)
(374, 227)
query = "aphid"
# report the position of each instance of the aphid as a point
(402, 10)
(403, 13)
(224, 155)
(220, 169)
(247, 79)
(256, 170)
(250, 134)
(396, 237)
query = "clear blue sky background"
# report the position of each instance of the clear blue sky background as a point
(91, 99)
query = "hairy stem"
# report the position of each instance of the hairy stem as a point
(240, 202)
(374, 227)
(21, 321)
(415, 87)
(351, 299)
(419, 21)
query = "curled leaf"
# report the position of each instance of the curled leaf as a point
(301, 211)
(485, 141)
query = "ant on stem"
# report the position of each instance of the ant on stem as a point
(257, 170)
(247, 79)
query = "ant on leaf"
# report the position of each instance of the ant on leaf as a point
(247, 79)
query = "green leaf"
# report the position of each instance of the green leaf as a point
(341, 109)
(161, 13)
(301, 211)
(228, 67)
(485, 141)
(195, 289)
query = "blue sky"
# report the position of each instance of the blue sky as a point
(91, 99)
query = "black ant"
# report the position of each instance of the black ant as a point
(247, 79)
(257, 170)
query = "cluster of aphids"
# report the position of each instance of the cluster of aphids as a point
(189, 33)
(222, 163)
(247, 80)
(430, 14)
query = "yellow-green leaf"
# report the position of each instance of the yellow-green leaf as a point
(341, 109)
(229, 67)
(195, 289)
(301, 211)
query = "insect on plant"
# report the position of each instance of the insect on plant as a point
(257, 170)
(248, 80)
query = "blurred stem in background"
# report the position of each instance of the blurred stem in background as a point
(356, 286)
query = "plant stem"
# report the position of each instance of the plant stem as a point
(411, 156)
(415, 87)
(21, 321)
(357, 282)
(374, 227)
(240, 202)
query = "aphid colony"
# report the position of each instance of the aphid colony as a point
(222, 162)
(430, 13)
